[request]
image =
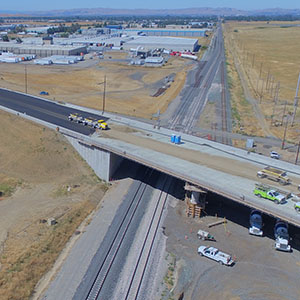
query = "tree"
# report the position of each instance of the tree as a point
(5, 38)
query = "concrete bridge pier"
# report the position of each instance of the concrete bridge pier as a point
(195, 200)
(104, 163)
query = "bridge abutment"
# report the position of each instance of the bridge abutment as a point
(104, 163)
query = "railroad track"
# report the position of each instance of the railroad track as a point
(223, 105)
(224, 115)
(97, 287)
(136, 281)
(194, 101)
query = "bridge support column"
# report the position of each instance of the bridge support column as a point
(104, 163)
(195, 200)
(195, 197)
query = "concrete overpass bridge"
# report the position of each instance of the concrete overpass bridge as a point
(214, 167)
(222, 169)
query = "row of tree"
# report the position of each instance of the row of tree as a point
(64, 29)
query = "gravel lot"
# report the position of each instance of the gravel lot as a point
(260, 271)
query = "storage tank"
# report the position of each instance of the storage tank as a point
(189, 56)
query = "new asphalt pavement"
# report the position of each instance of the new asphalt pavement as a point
(46, 110)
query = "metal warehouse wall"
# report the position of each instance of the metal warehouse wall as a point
(43, 52)
(174, 47)
(178, 33)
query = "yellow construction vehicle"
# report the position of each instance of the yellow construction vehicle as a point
(274, 174)
(101, 124)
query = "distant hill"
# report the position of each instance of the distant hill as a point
(196, 11)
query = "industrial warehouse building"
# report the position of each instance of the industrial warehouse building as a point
(167, 32)
(169, 43)
(42, 50)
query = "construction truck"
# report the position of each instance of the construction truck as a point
(88, 121)
(281, 235)
(100, 124)
(267, 192)
(274, 174)
(255, 221)
(76, 117)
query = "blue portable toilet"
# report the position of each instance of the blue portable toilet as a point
(177, 139)
(173, 137)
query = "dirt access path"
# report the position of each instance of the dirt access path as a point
(254, 103)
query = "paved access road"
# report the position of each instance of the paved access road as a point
(48, 111)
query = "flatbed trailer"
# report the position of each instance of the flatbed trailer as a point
(274, 174)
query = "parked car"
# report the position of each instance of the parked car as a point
(44, 93)
(214, 254)
(274, 154)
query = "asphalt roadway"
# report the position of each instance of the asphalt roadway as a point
(48, 111)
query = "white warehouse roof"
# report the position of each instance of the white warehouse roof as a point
(170, 43)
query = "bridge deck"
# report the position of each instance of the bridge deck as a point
(223, 169)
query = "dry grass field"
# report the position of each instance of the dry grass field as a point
(268, 53)
(129, 89)
(37, 166)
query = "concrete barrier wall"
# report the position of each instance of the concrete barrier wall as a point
(103, 163)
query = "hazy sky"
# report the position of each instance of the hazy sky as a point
(30, 5)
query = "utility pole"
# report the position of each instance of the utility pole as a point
(284, 134)
(277, 91)
(296, 101)
(262, 90)
(267, 83)
(297, 153)
(104, 90)
(253, 60)
(275, 98)
(260, 70)
(25, 70)
(283, 112)
(271, 85)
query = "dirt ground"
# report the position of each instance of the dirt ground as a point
(37, 167)
(268, 55)
(129, 89)
(260, 271)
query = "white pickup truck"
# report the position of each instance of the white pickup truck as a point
(213, 253)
